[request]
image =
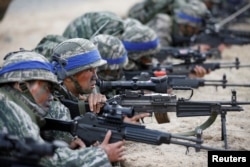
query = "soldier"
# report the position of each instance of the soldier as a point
(94, 23)
(142, 43)
(113, 51)
(26, 82)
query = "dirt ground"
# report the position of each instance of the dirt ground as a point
(26, 22)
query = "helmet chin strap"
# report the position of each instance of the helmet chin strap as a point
(77, 85)
(26, 92)
(29, 99)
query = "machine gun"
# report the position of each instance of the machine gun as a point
(160, 103)
(17, 153)
(91, 128)
(131, 102)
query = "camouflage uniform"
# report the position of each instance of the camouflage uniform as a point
(94, 23)
(113, 51)
(22, 116)
(80, 54)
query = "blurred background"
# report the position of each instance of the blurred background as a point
(26, 22)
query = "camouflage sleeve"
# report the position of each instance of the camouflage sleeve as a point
(58, 111)
(19, 123)
(85, 157)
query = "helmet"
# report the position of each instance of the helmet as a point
(113, 51)
(140, 40)
(130, 22)
(147, 9)
(80, 54)
(193, 13)
(93, 23)
(162, 25)
(24, 66)
(47, 44)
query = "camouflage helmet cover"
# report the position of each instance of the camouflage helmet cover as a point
(111, 50)
(162, 25)
(192, 13)
(93, 23)
(130, 22)
(140, 40)
(147, 9)
(47, 44)
(80, 54)
(26, 65)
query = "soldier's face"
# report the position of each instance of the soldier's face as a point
(41, 92)
(188, 30)
(87, 79)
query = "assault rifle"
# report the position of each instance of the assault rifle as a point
(184, 53)
(91, 128)
(162, 103)
(184, 68)
(176, 82)
(17, 153)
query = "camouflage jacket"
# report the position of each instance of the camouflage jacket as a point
(14, 116)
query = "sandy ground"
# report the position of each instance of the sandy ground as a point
(26, 22)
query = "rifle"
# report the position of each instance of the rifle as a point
(156, 84)
(186, 54)
(213, 34)
(17, 153)
(176, 82)
(185, 68)
(131, 103)
(91, 128)
(224, 9)
(160, 103)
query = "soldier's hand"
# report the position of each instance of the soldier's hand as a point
(199, 72)
(136, 118)
(115, 151)
(96, 101)
(77, 143)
